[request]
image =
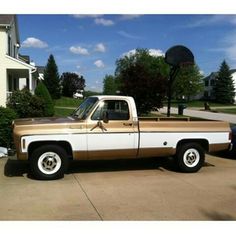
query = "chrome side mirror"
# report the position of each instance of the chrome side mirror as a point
(105, 117)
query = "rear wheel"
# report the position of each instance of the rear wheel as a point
(49, 162)
(190, 157)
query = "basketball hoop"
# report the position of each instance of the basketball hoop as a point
(177, 57)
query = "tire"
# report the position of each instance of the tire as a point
(48, 162)
(190, 157)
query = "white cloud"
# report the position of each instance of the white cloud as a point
(156, 52)
(32, 42)
(129, 17)
(99, 64)
(104, 22)
(127, 35)
(202, 72)
(87, 15)
(100, 47)
(78, 66)
(79, 50)
(212, 20)
(152, 52)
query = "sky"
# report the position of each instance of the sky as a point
(91, 44)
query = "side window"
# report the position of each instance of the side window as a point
(116, 109)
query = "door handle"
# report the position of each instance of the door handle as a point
(127, 124)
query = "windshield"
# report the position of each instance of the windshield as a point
(83, 110)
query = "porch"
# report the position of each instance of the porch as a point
(18, 79)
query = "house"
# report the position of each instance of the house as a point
(16, 71)
(209, 83)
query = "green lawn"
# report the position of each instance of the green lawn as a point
(67, 102)
(227, 110)
(62, 112)
(70, 103)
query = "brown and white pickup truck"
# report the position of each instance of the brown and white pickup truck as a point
(107, 127)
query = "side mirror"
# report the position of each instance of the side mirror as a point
(105, 117)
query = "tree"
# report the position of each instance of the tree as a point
(110, 85)
(71, 82)
(189, 82)
(42, 92)
(144, 77)
(224, 90)
(7, 115)
(51, 78)
(25, 104)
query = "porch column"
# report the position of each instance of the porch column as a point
(30, 81)
(3, 86)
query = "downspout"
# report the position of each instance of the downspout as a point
(31, 81)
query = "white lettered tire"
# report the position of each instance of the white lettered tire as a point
(190, 157)
(48, 162)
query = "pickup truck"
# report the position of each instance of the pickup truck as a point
(108, 127)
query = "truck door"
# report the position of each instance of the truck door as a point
(111, 132)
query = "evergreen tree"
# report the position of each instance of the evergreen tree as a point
(224, 90)
(51, 78)
(42, 92)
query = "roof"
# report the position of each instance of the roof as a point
(232, 71)
(214, 74)
(40, 69)
(24, 58)
(6, 19)
(211, 76)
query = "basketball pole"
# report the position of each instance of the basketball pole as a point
(173, 73)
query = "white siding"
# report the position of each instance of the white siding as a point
(234, 79)
(3, 80)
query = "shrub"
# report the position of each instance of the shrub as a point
(7, 115)
(42, 92)
(25, 104)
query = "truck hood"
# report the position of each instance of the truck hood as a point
(44, 121)
(48, 125)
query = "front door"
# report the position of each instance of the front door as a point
(115, 138)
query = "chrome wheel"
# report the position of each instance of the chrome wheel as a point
(49, 163)
(191, 157)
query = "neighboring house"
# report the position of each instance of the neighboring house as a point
(209, 83)
(16, 72)
(40, 70)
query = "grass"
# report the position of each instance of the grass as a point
(67, 102)
(227, 110)
(62, 112)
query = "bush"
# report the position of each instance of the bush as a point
(25, 104)
(42, 92)
(7, 115)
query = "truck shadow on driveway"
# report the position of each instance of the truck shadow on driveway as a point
(16, 168)
(22, 168)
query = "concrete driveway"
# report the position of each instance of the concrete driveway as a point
(121, 190)
(203, 114)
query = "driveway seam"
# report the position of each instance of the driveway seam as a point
(77, 180)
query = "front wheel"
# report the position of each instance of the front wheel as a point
(190, 157)
(48, 162)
